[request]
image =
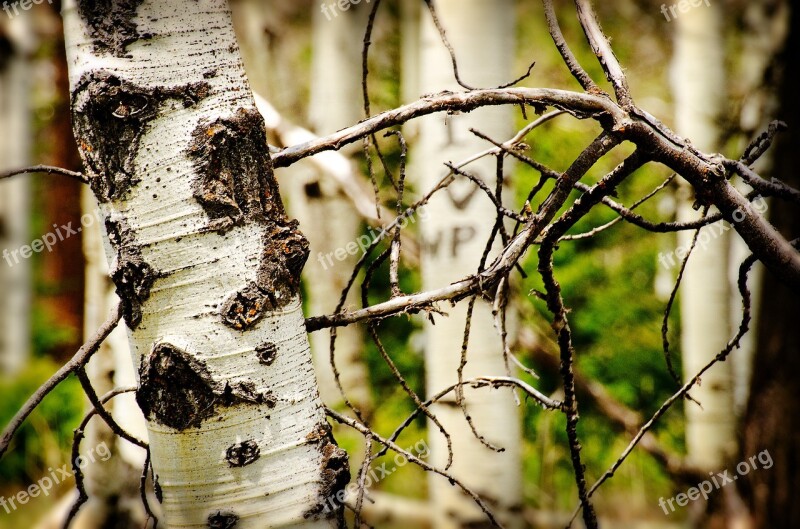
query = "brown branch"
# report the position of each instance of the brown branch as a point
(76, 362)
(602, 49)
(576, 103)
(569, 59)
(49, 169)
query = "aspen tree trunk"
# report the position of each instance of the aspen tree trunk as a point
(699, 89)
(206, 264)
(15, 195)
(410, 24)
(455, 230)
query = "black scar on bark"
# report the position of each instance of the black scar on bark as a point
(222, 520)
(277, 280)
(111, 24)
(335, 472)
(178, 391)
(242, 454)
(267, 352)
(235, 182)
(235, 186)
(132, 275)
(157, 490)
(109, 116)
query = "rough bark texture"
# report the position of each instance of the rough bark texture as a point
(771, 419)
(206, 264)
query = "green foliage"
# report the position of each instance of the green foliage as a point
(44, 439)
(48, 333)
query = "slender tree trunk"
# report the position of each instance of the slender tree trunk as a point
(454, 232)
(206, 264)
(15, 195)
(699, 88)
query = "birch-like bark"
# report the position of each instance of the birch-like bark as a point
(206, 264)
(454, 231)
(327, 217)
(699, 89)
(15, 195)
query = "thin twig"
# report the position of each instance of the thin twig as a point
(76, 362)
(49, 169)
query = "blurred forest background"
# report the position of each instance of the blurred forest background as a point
(614, 283)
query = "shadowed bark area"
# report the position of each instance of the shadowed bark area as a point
(771, 420)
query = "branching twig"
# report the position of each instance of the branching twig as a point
(414, 459)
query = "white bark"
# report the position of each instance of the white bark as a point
(15, 197)
(454, 233)
(205, 263)
(699, 89)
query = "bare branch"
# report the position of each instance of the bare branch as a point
(566, 54)
(576, 103)
(76, 362)
(414, 459)
(602, 49)
(49, 169)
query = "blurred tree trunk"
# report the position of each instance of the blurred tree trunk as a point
(206, 264)
(59, 285)
(699, 87)
(16, 46)
(455, 229)
(771, 419)
(329, 219)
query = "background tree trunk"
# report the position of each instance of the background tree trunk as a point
(328, 217)
(206, 265)
(16, 46)
(699, 87)
(454, 232)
